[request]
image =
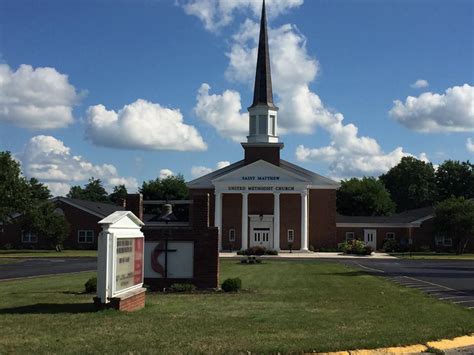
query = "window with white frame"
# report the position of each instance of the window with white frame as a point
(231, 235)
(85, 236)
(441, 240)
(291, 235)
(390, 235)
(28, 237)
(350, 236)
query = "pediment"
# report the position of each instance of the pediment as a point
(260, 172)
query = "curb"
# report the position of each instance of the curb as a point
(441, 345)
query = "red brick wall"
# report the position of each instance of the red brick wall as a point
(290, 218)
(212, 202)
(260, 203)
(232, 219)
(401, 234)
(269, 154)
(322, 219)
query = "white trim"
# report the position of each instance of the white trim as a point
(377, 225)
(85, 236)
(232, 237)
(391, 238)
(353, 236)
(421, 220)
(292, 235)
(322, 187)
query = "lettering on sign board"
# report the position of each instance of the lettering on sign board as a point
(261, 178)
(261, 188)
(129, 256)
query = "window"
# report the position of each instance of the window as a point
(390, 235)
(349, 236)
(253, 125)
(273, 125)
(231, 235)
(262, 124)
(441, 240)
(291, 235)
(85, 236)
(28, 237)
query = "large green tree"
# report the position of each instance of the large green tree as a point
(169, 188)
(364, 197)
(92, 191)
(455, 178)
(411, 184)
(454, 218)
(118, 195)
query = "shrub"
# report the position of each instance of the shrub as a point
(271, 252)
(390, 246)
(251, 259)
(356, 247)
(232, 285)
(425, 249)
(91, 285)
(184, 287)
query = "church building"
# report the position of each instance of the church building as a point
(263, 200)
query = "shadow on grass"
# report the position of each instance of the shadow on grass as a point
(51, 308)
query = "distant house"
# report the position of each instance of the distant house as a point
(82, 217)
(413, 229)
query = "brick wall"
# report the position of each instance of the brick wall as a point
(322, 219)
(269, 154)
(401, 234)
(290, 218)
(232, 219)
(260, 203)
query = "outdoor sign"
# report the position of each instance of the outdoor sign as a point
(169, 259)
(120, 259)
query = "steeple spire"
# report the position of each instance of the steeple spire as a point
(263, 113)
(263, 94)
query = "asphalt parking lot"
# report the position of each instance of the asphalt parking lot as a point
(45, 266)
(450, 280)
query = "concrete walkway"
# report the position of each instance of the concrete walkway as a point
(311, 255)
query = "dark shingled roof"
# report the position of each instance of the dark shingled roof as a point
(103, 209)
(263, 94)
(403, 217)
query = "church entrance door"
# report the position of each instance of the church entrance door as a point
(261, 232)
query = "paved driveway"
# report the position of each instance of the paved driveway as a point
(446, 280)
(46, 266)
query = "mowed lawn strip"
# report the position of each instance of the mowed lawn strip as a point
(434, 256)
(288, 306)
(47, 253)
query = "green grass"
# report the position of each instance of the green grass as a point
(433, 256)
(288, 306)
(9, 261)
(46, 253)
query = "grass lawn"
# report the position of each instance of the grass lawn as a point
(288, 306)
(433, 256)
(46, 253)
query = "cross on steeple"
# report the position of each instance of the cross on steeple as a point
(263, 112)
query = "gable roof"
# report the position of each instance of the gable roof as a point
(415, 217)
(118, 215)
(316, 180)
(98, 209)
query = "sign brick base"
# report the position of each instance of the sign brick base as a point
(128, 302)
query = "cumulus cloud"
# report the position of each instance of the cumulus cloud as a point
(142, 125)
(452, 111)
(216, 14)
(420, 84)
(222, 112)
(198, 171)
(40, 98)
(49, 160)
(165, 173)
(470, 145)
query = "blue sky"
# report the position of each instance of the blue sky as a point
(333, 58)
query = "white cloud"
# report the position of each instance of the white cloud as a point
(222, 112)
(216, 14)
(40, 98)
(420, 84)
(198, 171)
(58, 188)
(452, 111)
(470, 145)
(142, 125)
(50, 161)
(164, 173)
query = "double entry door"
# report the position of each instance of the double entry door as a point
(261, 231)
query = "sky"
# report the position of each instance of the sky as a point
(132, 90)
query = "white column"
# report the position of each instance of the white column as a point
(218, 216)
(276, 221)
(304, 221)
(245, 221)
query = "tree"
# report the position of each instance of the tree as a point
(454, 218)
(92, 191)
(14, 188)
(38, 190)
(169, 188)
(454, 178)
(411, 184)
(364, 197)
(118, 195)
